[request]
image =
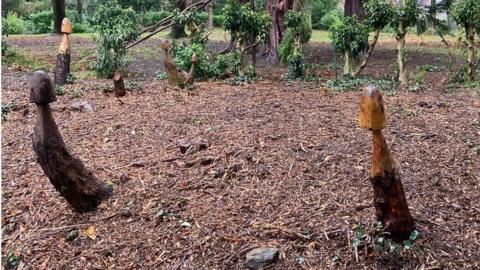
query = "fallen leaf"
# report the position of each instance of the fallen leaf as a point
(90, 232)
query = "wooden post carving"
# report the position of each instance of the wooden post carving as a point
(62, 67)
(389, 197)
(118, 84)
(177, 77)
(82, 190)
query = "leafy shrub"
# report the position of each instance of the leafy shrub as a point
(347, 83)
(286, 47)
(320, 9)
(409, 12)
(378, 13)
(328, 20)
(115, 27)
(300, 25)
(151, 17)
(218, 20)
(41, 22)
(296, 65)
(81, 28)
(350, 35)
(467, 13)
(12, 24)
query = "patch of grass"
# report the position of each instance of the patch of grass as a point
(6, 109)
(13, 58)
(346, 84)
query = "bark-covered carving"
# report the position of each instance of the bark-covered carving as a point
(119, 85)
(389, 197)
(82, 190)
(62, 67)
(177, 77)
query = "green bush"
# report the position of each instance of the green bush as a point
(218, 20)
(12, 24)
(152, 17)
(328, 20)
(82, 28)
(350, 35)
(286, 47)
(41, 22)
(378, 13)
(320, 9)
(115, 27)
(467, 13)
(300, 24)
(409, 12)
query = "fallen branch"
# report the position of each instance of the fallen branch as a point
(287, 231)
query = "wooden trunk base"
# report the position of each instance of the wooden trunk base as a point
(119, 85)
(62, 68)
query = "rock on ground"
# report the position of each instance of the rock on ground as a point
(261, 257)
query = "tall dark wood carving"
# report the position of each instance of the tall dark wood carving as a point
(389, 197)
(62, 67)
(82, 190)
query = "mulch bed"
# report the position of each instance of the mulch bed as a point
(286, 165)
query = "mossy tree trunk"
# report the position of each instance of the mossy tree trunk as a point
(400, 37)
(471, 52)
(348, 66)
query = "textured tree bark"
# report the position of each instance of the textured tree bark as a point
(347, 68)
(58, 14)
(354, 8)
(82, 190)
(400, 37)
(391, 206)
(369, 53)
(471, 52)
(119, 85)
(80, 10)
(210, 16)
(390, 202)
(62, 67)
(274, 8)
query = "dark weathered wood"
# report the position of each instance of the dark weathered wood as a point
(58, 7)
(119, 86)
(62, 66)
(82, 190)
(391, 205)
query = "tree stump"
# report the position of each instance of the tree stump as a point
(62, 67)
(177, 77)
(119, 85)
(389, 197)
(82, 190)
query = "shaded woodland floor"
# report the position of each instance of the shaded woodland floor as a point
(289, 154)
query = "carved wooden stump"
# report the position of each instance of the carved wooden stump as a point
(82, 190)
(62, 67)
(177, 77)
(119, 85)
(389, 197)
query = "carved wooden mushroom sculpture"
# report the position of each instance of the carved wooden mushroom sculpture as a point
(82, 190)
(390, 203)
(177, 77)
(62, 67)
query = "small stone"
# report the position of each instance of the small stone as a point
(424, 104)
(441, 104)
(82, 106)
(72, 235)
(261, 257)
(276, 104)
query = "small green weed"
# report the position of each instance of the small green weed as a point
(6, 109)
(11, 261)
(60, 90)
(347, 83)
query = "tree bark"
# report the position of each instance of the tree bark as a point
(400, 37)
(369, 53)
(80, 10)
(58, 14)
(178, 31)
(62, 67)
(119, 85)
(471, 52)
(210, 16)
(82, 190)
(391, 206)
(347, 68)
(274, 8)
(354, 8)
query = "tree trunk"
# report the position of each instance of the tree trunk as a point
(275, 31)
(402, 72)
(178, 31)
(369, 53)
(62, 67)
(354, 8)
(119, 85)
(80, 10)
(347, 68)
(58, 14)
(210, 16)
(471, 52)
(82, 190)
(391, 206)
